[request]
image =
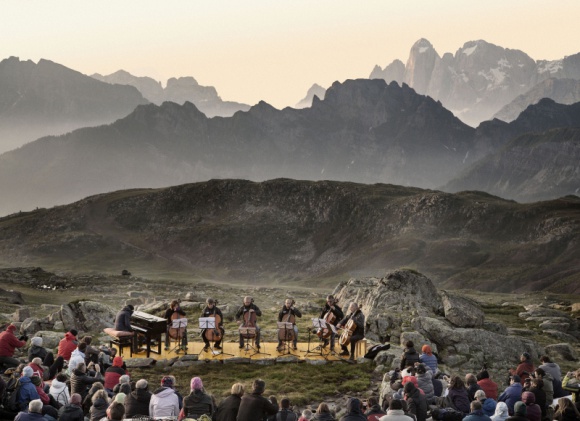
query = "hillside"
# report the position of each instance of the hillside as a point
(300, 232)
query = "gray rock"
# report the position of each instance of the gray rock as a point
(155, 307)
(288, 359)
(386, 358)
(21, 314)
(189, 357)
(551, 325)
(136, 294)
(418, 339)
(178, 364)
(561, 336)
(50, 339)
(495, 327)
(537, 310)
(58, 326)
(86, 316)
(562, 351)
(238, 360)
(265, 361)
(140, 362)
(461, 311)
(31, 325)
(316, 362)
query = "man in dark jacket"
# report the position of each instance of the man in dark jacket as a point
(416, 401)
(353, 411)
(123, 319)
(358, 318)
(72, 411)
(227, 410)
(137, 402)
(512, 394)
(255, 407)
(80, 381)
(410, 356)
(332, 307)
(374, 411)
(34, 412)
(243, 312)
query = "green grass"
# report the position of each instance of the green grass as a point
(303, 384)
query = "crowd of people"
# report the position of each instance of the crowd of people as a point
(84, 382)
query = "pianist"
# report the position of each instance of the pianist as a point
(123, 319)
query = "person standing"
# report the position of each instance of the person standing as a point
(358, 318)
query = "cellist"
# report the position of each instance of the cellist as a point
(356, 315)
(211, 310)
(288, 308)
(174, 308)
(248, 307)
(331, 306)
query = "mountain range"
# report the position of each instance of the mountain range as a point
(364, 130)
(178, 90)
(292, 232)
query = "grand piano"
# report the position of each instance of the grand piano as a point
(150, 326)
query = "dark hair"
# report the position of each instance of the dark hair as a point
(475, 405)
(396, 404)
(117, 410)
(421, 369)
(409, 387)
(285, 403)
(259, 386)
(61, 377)
(540, 372)
(539, 383)
(456, 383)
(545, 359)
(373, 401)
(82, 346)
(470, 379)
(483, 374)
(409, 344)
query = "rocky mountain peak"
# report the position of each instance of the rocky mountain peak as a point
(315, 90)
(422, 60)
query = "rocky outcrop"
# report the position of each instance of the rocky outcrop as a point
(461, 311)
(562, 351)
(315, 90)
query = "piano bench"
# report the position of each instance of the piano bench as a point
(121, 339)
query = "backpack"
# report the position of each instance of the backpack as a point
(375, 349)
(10, 398)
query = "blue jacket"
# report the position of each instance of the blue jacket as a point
(27, 393)
(511, 395)
(477, 416)
(430, 361)
(489, 406)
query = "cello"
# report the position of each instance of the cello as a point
(214, 334)
(247, 328)
(329, 318)
(174, 332)
(284, 334)
(347, 332)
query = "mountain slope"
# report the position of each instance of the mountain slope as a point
(48, 98)
(301, 231)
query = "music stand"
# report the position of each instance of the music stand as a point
(286, 326)
(179, 324)
(250, 331)
(317, 324)
(209, 323)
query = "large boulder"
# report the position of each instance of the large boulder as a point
(85, 316)
(562, 351)
(461, 311)
(50, 339)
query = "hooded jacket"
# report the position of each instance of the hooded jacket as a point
(489, 406)
(36, 351)
(325, 416)
(8, 343)
(76, 357)
(353, 411)
(459, 399)
(164, 403)
(534, 412)
(553, 369)
(477, 416)
(501, 412)
(80, 382)
(137, 403)
(196, 404)
(27, 393)
(548, 386)
(417, 404)
(112, 375)
(123, 319)
(66, 346)
(425, 382)
(59, 392)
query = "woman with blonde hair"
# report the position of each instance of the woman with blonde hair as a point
(323, 413)
(100, 404)
(227, 410)
(566, 410)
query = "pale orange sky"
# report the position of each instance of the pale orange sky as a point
(272, 50)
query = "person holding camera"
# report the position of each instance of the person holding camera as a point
(8, 344)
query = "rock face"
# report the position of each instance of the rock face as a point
(553, 322)
(315, 90)
(405, 305)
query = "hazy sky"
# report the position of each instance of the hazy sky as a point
(272, 50)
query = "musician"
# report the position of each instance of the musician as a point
(248, 306)
(123, 319)
(174, 308)
(356, 315)
(288, 308)
(211, 310)
(332, 306)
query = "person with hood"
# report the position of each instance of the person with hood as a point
(476, 412)
(254, 406)
(457, 395)
(228, 408)
(571, 384)
(164, 401)
(8, 344)
(425, 382)
(72, 411)
(123, 319)
(416, 402)
(486, 384)
(113, 373)
(410, 356)
(533, 410)
(525, 368)
(197, 402)
(520, 411)
(353, 411)
(137, 402)
(100, 403)
(88, 400)
(116, 411)
(323, 413)
(59, 389)
(501, 412)
(374, 411)
(512, 394)
(80, 381)
(487, 404)
(27, 390)
(34, 412)
(67, 345)
(429, 359)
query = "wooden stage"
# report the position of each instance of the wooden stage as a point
(231, 350)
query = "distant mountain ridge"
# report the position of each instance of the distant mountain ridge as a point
(302, 231)
(38, 99)
(179, 90)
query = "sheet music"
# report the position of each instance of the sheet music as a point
(319, 323)
(207, 322)
(179, 323)
(285, 325)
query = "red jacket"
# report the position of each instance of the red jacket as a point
(66, 346)
(489, 387)
(8, 343)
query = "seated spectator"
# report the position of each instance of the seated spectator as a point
(116, 412)
(519, 412)
(255, 406)
(566, 410)
(306, 415)
(88, 400)
(512, 394)
(416, 402)
(59, 389)
(395, 412)
(425, 382)
(472, 386)
(554, 370)
(487, 404)
(540, 395)
(374, 411)
(457, 395)
(91, 353)
(571, 384)
(27, 390)
(323, 413)
(8, 344)
(533, 411)
(49, 404)
(100, 403)
(197, 403)
(285, 413)
(164, 401)
(410, 356)
(137, 402)
(114, 373)
(81, 381)
(67, 345)
(228, 408)
(72, 411)
(476, 412)
(486, 384)
(548, 387)
(429, 359)
(501, 412)
(76, 357)
(34, 412)
(354, 411)
(525, 368)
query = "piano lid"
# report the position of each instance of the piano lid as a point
(147, 317)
